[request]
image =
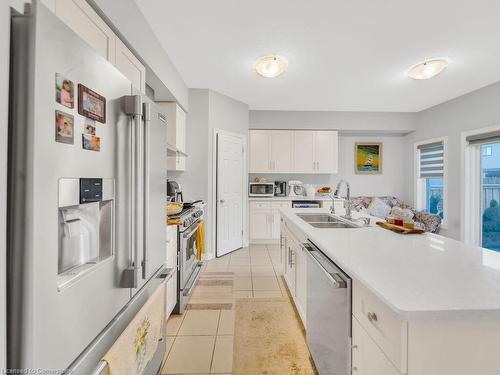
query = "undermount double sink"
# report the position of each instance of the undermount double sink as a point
(326, 221)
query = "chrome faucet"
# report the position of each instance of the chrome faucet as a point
(347, 202)
(332, 207)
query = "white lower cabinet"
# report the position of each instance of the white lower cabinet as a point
(295, 269)
(367, 357)
(301, 282)
(264, 220)
(290, 270)
(171, 287)
(171, 294)
(260, 224)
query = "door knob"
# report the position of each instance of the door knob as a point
(222, 201)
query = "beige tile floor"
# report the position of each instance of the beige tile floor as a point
(201, 341)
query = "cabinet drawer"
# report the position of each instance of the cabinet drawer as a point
(257, 205)
(383, 326)
(279, 205)
(367, 358)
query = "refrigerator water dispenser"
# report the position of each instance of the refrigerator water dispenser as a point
(86, 216)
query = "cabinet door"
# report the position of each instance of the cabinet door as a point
(171, 294)
(367, 358)
(303, 151)
(130, 66)
(283, 247)
(290, 264)
(80, 17)
(281, 151)
(326, 151)
(171, 246)
(180, 129)
(301, 282)
(260, 156)
(260, 225)
(275, 225)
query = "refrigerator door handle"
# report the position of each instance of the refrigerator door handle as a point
(145, 179)
(133, 108)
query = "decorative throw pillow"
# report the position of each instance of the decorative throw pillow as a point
(378, 208)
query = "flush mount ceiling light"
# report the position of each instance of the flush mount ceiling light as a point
(271, 66)
(428, 68)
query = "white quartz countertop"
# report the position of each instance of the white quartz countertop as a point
(297, 198)
(423, 276)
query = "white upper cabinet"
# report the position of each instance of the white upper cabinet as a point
(326, 146)
(176, 134)
(130, 66)
(84, 21)
(260, 151)
(80, 17)
(303, 149)
(293, 151)
(281, 151)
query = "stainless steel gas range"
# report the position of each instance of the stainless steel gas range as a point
(188, 266)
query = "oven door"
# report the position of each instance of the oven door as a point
(188, 252)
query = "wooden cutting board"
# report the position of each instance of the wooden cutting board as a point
(398, 229)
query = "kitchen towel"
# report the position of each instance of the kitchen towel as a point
(200, 240)
(135, 347)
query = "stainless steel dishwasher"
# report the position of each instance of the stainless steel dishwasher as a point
(328, 314)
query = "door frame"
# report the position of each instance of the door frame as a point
(213, 187)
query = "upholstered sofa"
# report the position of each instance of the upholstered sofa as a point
(430, 222)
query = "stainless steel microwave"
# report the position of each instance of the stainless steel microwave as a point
(261, 189)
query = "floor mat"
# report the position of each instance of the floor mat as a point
(269, 339)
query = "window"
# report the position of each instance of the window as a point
(490, 196)
(482, 188)
(430, 177)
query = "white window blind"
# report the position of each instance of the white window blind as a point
(431, 160)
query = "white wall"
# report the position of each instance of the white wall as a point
(354, 122)
(475, 110)
(208, 110)
(391, 182)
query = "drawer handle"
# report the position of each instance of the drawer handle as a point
(372, 317)
(354, 368)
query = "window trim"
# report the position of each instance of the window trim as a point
(470, 212)
(417, 181)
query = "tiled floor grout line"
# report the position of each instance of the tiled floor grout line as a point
(215, 341)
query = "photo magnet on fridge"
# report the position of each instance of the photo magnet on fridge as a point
(65, 93)
(64, 126)
(89, 127)
(91, 142)
(91, 104)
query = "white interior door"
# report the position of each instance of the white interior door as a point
(230, 182)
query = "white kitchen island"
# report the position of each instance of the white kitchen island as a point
(436, 301)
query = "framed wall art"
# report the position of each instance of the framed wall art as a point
(91, 104)
(368, 158)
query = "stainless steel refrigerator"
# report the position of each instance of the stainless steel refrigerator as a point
(86, 224)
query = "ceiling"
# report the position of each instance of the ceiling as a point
(344, 55)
